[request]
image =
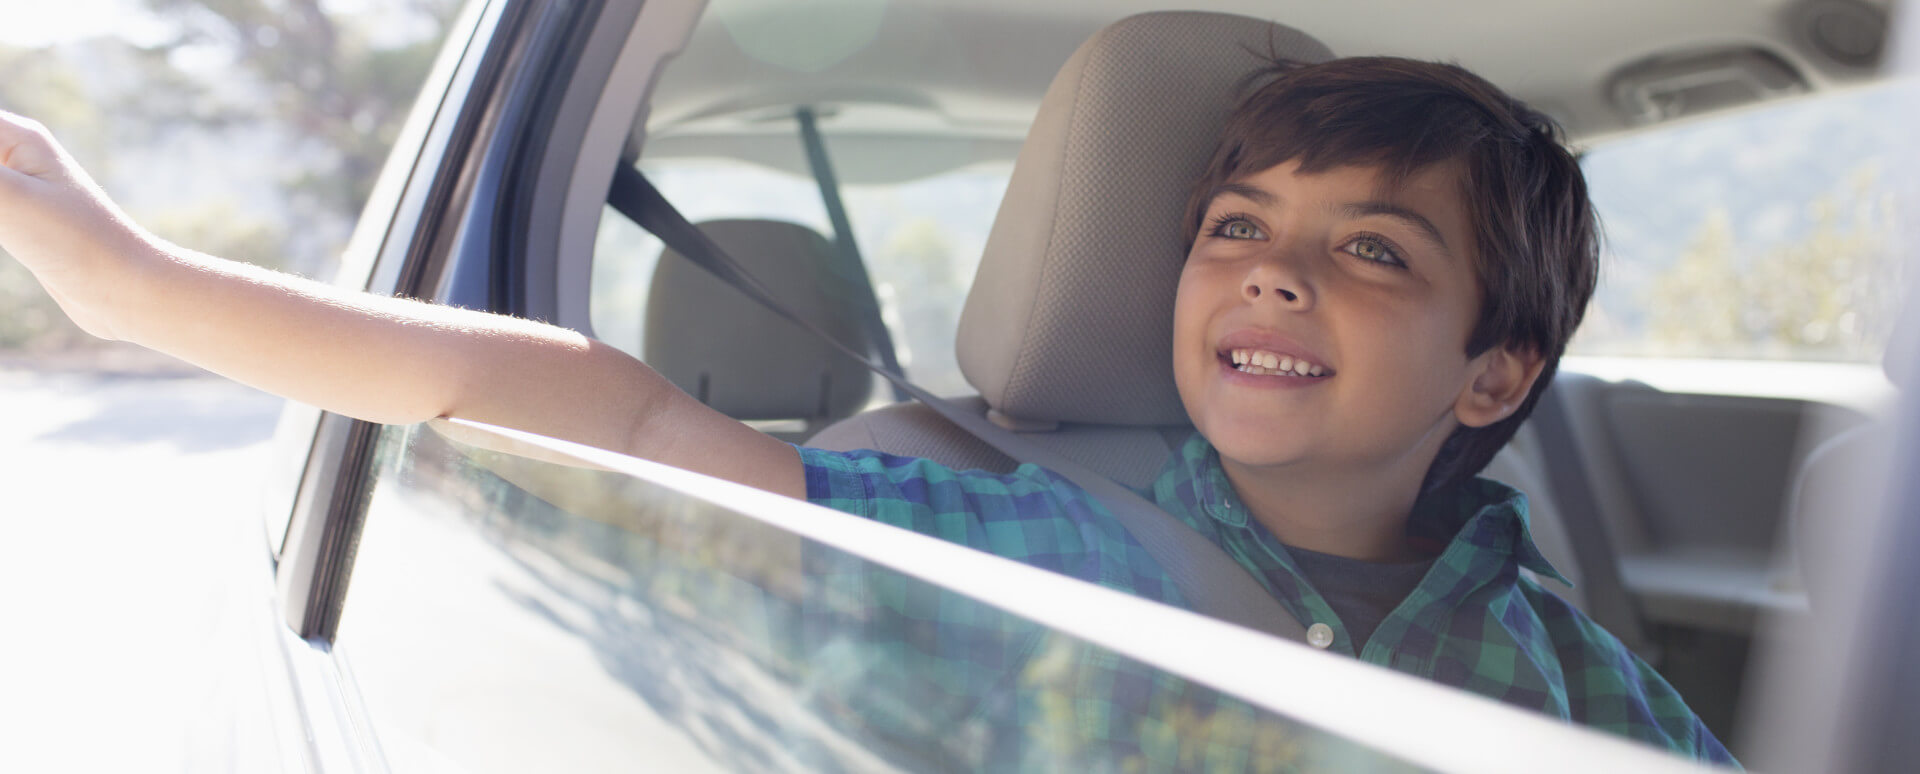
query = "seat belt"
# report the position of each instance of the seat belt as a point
(1209, 579)
(844, 244)
(1606, 593)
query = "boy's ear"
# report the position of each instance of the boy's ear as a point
(1501, 378)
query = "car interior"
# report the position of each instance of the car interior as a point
(987, 195)
(1667, 506)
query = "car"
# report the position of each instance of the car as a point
(451, 596)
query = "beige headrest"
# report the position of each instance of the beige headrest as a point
(743, 360)
(1071, 314)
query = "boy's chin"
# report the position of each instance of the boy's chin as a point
(1251, 448)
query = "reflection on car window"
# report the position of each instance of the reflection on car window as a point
(921, 241)
(514, 615)
(1767, 233)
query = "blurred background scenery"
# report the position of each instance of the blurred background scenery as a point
(246, 128)
(250, 129)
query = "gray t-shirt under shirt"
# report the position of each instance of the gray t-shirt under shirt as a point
(1361, 593)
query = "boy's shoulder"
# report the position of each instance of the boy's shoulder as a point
(1030, 515)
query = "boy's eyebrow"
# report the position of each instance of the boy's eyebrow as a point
(1253, 194)
(1397, 212)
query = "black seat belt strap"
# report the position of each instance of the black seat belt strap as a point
(846, 248)
(1606, 593)
(1209, 579)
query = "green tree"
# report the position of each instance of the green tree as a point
(1830, 294)
(332, 84)
(921, 292)
(337, 81)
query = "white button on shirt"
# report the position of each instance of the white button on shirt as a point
(1320, 636)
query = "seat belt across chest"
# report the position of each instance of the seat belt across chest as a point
(1210, 580)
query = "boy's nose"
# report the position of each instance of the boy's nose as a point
(1283, 276)
(1276, 283)
(1254, 291)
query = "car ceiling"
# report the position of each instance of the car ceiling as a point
(893, 79)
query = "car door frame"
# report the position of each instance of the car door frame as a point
(448, 222)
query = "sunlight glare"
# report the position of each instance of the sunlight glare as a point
(38, 24)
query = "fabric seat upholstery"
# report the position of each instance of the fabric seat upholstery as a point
(743, 360)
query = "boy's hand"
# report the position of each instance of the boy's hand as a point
(58, 223)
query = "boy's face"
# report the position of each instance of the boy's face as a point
(1374, 288)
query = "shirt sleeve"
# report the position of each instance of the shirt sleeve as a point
(1030, 515)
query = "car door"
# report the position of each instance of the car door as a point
(527, 604)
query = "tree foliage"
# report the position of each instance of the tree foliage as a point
(1830, 294)
(327, 77)
(303, 99)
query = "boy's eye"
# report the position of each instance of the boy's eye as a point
(1235, 227)
(1375, 250)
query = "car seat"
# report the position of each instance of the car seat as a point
(742, 359)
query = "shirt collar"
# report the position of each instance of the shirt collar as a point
(1487, 514)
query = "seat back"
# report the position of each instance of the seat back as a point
(742, 359)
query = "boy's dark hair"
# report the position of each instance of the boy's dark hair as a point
(1534, 229)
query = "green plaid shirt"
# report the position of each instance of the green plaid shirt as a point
(1475, 621)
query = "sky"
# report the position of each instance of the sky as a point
(35, 23)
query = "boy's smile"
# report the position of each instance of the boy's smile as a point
(1320, 334)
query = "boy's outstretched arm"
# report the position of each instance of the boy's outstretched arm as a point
(371, 357)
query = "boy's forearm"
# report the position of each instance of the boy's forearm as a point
(398, 361)
(381, 359)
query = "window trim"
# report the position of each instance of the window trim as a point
(441, 246)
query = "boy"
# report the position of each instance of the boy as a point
(1386, 261)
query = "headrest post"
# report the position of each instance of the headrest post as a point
(1019, 425)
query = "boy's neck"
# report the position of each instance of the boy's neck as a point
(1354, 515)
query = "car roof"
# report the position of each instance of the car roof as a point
(890, 76)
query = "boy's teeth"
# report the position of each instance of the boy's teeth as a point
(1267, 363)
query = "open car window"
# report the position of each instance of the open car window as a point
(513, 610)
(1766, 233)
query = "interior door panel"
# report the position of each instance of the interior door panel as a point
(1692, 485)
(1707, 470)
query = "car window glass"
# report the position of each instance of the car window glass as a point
(508, 614)
(1766, 233)
(920, 239)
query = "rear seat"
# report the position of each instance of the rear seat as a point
(743, 360)
(1065, 331)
